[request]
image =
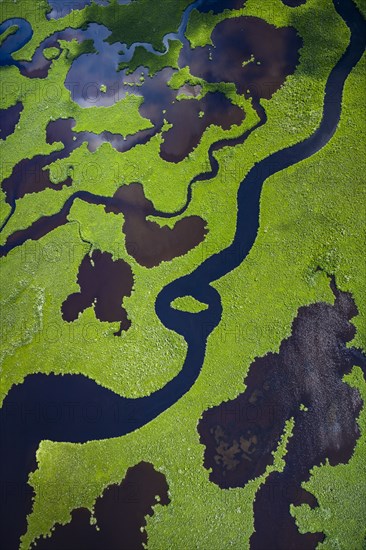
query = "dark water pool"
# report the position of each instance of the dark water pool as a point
(241, 435)
(248, 51)
(120, 513)
(146, 241)
(104, 283)
(9, 118)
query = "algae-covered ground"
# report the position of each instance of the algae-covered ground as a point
(312, 227)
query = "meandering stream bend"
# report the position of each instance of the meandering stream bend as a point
(28, 415)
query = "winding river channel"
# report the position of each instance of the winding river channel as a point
(74, 408)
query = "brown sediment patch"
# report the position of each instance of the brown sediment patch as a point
(248, 51)
(104, 283)
(9, 118)
(190, 118)
(146, 241)
(240, 435)
(120, 513)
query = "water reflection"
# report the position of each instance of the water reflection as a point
(61, 8)
(249, 52)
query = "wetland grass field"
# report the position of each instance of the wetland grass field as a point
(182, 274)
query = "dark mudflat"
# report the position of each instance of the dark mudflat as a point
(146, 241)
(275, 527)
(31, 176)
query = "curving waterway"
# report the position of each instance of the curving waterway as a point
(76, 409)
(15, 41)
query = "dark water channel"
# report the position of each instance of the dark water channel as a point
(276, 55)
(32, 176)
(15, 41)
(146, 241)
(293, 3)
(74, 408)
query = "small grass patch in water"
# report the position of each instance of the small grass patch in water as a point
(189, 303)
